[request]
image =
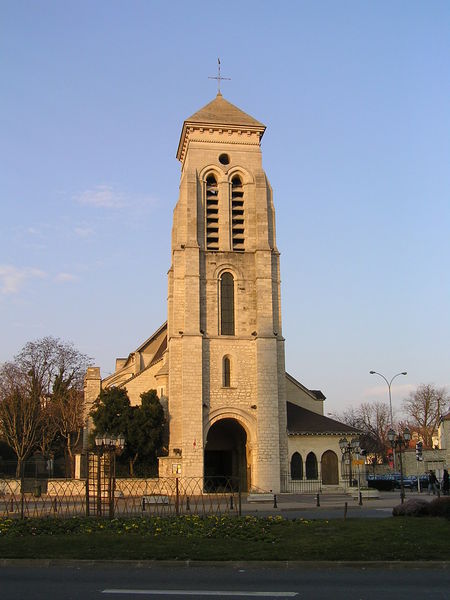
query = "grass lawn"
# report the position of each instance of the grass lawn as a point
(227, 538)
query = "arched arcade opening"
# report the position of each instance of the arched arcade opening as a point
(226, 456)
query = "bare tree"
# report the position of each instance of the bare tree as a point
(68, 412)
(424, 408)
(50, 373)
(373, 420)
(20, 413)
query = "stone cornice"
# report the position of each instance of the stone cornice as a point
(190, 129)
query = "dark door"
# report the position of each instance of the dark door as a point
(330, 474)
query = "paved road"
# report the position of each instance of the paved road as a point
(242, 581)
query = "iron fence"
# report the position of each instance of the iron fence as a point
(300, 486)
(28, 497)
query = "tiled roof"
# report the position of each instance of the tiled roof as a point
(303, 421)
(159, 353)
(221, 112)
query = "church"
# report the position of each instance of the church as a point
(218, 363)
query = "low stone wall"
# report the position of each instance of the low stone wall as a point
(77, 487)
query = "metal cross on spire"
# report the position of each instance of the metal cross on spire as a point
(219, 77)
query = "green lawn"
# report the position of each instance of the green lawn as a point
(227, 538)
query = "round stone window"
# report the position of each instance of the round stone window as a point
(224, 159)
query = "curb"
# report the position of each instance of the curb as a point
(270, 564)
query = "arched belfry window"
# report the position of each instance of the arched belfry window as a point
(237, 214)
(296, 466)
(227, 304)
(226, 371)
(212, 213)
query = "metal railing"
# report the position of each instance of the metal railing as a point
(127, 497)
(300, 486)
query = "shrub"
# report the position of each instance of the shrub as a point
(440, 507)
(412, 508)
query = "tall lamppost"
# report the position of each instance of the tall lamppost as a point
(389, 383)
(348, 448)
(400, 441)
(107, 444)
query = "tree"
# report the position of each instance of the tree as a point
(141, 425)
(20, 413)
(68, 414)
(424, 408)
(46, 400)
(374, 422)
(111, 411)
(145, 430)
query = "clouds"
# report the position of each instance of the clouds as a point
(12, 278)
(66, 277)
(107, 197)
(102, 196)
(83, 232)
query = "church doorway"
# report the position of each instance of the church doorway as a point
(226, 456)
(330, 473)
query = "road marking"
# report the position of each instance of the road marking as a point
(202, 593)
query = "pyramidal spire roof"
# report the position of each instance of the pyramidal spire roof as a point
(219, 113)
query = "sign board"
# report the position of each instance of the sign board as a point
(359, 461)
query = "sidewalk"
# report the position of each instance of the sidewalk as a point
(332, 506)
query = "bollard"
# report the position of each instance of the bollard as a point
(345, 510)
(318, 499)
(55, 508)
(275, 505)
(360, 499)
(188, 506)
(231, 502)
(143, 504)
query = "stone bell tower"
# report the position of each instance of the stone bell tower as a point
(227, 396)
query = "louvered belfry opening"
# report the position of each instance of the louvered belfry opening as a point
(237, 214)
(227, 304)
(212, 213)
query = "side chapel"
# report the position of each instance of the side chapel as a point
(218, 362)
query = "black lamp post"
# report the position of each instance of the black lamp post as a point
(400, 441)
(349, 447)
(107, 444)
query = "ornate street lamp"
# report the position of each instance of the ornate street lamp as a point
(400, 441)
(348, 448)
(107, 444)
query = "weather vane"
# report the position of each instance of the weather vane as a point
(219, 77)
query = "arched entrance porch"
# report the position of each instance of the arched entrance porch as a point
(226, 456)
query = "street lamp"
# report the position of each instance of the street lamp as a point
(400, 441)
(389, 388)
(107, 444)
(348, 448)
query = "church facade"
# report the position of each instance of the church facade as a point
(218, 362)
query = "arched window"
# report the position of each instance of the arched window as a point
(296, 466)
(237, 214)
(311, 466)
(226, 370)
(212, 213)
(227, 304)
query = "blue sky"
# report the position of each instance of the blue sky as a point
(355, 96)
